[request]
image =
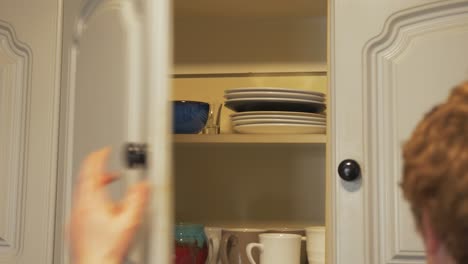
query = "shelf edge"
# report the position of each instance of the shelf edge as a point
(251, 139)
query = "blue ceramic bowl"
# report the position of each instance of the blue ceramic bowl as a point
(189, 117)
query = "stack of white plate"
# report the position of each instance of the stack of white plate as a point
(264, 110)
(278, 122)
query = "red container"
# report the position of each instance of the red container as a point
(190, 244)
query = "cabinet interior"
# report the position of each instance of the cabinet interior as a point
(259, 181)
(250, 184)
(249, 45)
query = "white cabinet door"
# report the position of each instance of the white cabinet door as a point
(391, 61)
(114, 92)
(29, 100)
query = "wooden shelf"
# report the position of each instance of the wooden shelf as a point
(252, 139)
(246, 8)
(278, 225)
(322, 72)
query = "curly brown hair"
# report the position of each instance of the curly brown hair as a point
(435, 171)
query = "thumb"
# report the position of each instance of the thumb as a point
(133, 205)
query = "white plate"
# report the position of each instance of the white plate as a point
(285, 117)
(240, 95)
(271, 89)
(282, 113)
(275, 99)
(275, 121)
(279, 128)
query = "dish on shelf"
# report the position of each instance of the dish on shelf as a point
(275, 104)
(275, 120)
(279, 95)
(295, 118)
(189, 117)
(280, 128)
(277, 113)
(272, 89)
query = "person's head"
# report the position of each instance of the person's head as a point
(435, 178)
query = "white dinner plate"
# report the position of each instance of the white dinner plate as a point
(285, 117)
(279, 128)
(282, 113)
(275, 121)
(271, 89)
(280, 95)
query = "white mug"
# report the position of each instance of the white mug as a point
(213, 235)
(315, 244)
(296, 231)
(277, 248)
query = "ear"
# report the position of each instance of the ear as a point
(431, 241)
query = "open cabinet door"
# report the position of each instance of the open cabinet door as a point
(115, 93)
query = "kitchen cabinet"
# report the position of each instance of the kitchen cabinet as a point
(29, 100)
(243, 180)
(114, 51)
(390, 62)
(382, 64)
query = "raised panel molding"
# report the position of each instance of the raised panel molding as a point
(392, 233)
(15, 73)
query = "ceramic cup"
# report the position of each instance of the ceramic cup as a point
(213, 235)
(277, 248)
(296, 231)
(233, 244)
(315, 244)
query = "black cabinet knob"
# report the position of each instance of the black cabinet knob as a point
(135, 155)
(349, 170)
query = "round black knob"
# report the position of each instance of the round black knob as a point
(349, 170)
(135, 155)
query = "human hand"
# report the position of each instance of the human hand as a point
(100, 229)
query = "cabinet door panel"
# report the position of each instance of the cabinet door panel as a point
(107, 99)
(391, 80)
(106, 86)
(29, 74)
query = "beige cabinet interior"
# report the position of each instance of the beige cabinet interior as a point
(256, 182)
(250, 184)
(249, 44)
